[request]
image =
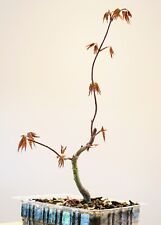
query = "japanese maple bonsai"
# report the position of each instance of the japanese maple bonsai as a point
(94, 89)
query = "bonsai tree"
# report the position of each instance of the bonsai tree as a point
(94, 89)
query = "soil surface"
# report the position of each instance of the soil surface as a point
(96, 203)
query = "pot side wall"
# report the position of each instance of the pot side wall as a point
(34, 213)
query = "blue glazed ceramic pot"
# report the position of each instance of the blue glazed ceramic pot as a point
(36, 213)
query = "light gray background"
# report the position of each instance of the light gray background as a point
(44, 78)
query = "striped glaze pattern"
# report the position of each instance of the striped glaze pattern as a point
(34, 213)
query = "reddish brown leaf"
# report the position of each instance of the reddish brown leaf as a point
(32, 135)
(103, 133)
(91, 88)
(129, 13)
(90, 45)
(23, 143)
(63, 149)
(127, 18)
(123, 14)
(107, 16)
(95, 49)
(31, 138)
(97, 88)
(111, 51)
(126, 14)
(116, 13)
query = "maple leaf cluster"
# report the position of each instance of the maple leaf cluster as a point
(27, 139)
(61, 157)
(94, 87)
(123, 14)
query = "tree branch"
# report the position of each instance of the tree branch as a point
(51, 149)
(92, 75)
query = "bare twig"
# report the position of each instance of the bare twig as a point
(51, 149)
(103, 48)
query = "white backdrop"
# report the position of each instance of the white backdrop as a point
(44, 79)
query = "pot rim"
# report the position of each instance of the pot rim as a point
(29, 199)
